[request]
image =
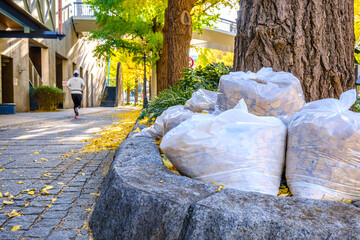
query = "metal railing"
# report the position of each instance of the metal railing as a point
(85, 10)
(225, 25)
(34, 76)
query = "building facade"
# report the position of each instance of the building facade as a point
(31, 62)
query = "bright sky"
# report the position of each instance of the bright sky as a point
(229, 14)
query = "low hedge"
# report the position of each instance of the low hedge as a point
(48, 98)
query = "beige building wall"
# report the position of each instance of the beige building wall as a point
(74, 50)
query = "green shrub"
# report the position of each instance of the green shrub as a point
(193, 79)
(48, 97)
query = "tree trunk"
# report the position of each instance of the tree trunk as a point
(136, 91)
(179, 36)
(128, 92)
(161, 64)
(314, 40)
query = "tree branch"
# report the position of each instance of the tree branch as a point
(210, 6)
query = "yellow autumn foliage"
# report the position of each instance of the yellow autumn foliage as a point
(357, 26)
(113, 136)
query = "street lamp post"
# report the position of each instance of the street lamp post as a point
(145, 102)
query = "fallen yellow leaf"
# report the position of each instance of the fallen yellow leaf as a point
(36, 152)
(136, 130)
(13, 213)
(83, 174)
(48, 187)
(20, 182)
(6, 194)
(15, 228)
(78, 159)
(61, 183)
(6, 202)
(1, 195)
(95, 194)
(2, 169)
(53, 200)
(45, 192)
(3, 148)
(31, 193)
(88, 210)
(27, 204)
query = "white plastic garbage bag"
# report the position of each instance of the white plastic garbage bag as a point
(201, 100)
(266, 93)
(169, 119)
(235, 149)
(323, 151)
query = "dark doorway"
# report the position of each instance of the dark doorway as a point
(7, 80)
(35, 59)
(59, 76)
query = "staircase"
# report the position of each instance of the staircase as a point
(109, 97)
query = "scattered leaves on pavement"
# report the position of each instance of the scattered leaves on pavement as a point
(110, 138)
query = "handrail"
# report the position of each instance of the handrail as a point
(34, 75)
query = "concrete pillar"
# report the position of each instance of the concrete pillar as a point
(153, 82)
(45, 66)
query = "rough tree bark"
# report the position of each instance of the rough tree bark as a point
(136, 91)
(179, 36)
(161, 64)
(312, 39)
(128, 92)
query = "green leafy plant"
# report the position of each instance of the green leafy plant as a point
(193, 79)
(48, 97)
(356, 106)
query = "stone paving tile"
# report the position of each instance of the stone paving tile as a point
(64, 234)
(63, 211)
(38, 232)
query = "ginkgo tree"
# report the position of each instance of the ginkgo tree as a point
(208, 56)
(132, 70)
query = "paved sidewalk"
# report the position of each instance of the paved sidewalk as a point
(53, 194)
(11, 120)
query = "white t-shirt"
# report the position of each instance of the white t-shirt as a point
(76, 85)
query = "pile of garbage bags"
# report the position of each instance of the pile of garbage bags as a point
(245, 145)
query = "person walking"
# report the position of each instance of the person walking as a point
(76, 86)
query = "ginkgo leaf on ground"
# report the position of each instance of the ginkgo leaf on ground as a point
(13, 213)
(8, 202)
(15, 228)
